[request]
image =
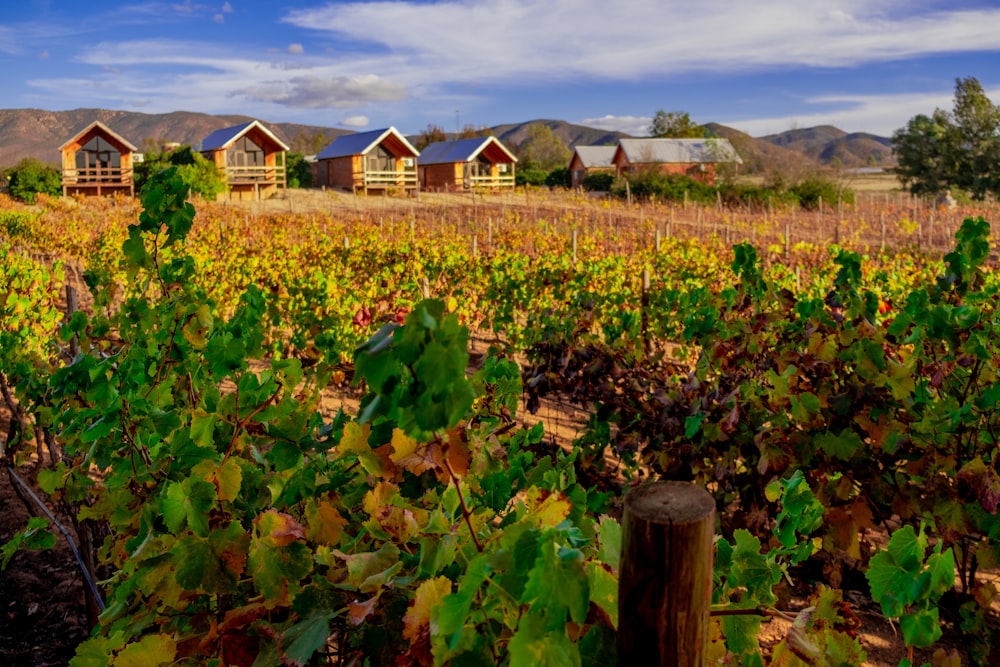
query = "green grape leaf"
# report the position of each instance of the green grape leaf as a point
(921, 628)
(150, 651)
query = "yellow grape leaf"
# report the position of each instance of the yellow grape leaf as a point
(226, 477)
(150, 651)
(196, 328)
(430, 594)
(546, 509)
(399, 522)
(277, 529)
(374, 461)
(357, 612)
(414, 456)
(452, 304)
(458, 453)
(378, 497)
(844, 532)
(946, 658)
(355, 438)
(325, 523)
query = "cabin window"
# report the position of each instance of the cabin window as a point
(96, 158)
(379, 159)
(245, 153)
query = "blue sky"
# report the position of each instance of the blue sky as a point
(761, 66)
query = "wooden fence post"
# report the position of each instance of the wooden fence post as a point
(665, 578)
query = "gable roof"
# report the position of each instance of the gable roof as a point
(226, 136)
(466, 150)
(596, 156)
(105, 130)
(360, 143)
(684, 151)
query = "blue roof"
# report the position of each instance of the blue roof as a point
(222, 137)
(225, 136)
(360, 143)
(459, 150)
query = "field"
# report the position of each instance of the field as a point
(173, 385)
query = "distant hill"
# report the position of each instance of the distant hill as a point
(759, 155)
(38, 133)
(573, 135)
(826, 143)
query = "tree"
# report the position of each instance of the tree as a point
(675, 125)
(432, 135)
(310, 143)
(199, 173)
(298, 171)
(959, 150)
(31, 177)
(542, 149)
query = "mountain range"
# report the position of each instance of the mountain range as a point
(39, 134)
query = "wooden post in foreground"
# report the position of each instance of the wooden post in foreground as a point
(665, 579)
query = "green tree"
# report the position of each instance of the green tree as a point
(958, 150)
(200, 174)
(31, 177)
(432, 135)
(298, 171)
(675, 125)
(310, 143)
(542, 149)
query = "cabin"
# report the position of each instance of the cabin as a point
(587, 160)
(479, 163)
(696, 158)
(252, 158)
(378, 160)
(97, 162)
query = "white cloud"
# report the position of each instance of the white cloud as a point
(637, 126)
(531, 40)
(314, 92)
(227, 8)
(296, 49)
(355, 121)
(876, 114)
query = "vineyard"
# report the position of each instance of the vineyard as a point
(399, 431)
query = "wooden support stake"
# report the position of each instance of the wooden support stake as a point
(644, 310)
(665, 579)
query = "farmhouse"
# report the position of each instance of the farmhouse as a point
(252, 158)
(696, 158)
(376, 160)
(588, 160)
(466, 164)
(97, 162)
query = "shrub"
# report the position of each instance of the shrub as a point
(600, 181)
(809, 192)
(531, 177)
(31, 177)
(559, 178)
(198, 173)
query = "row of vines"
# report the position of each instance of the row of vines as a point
(840, 406)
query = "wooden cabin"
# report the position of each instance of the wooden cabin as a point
(588, 160)
(466, 164)
(378, 160)
(252, 158)
(696, 158)
(97, 162)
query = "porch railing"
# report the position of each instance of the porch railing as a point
(255, 174)
(403, 179)
(502, 181)
(97, 176)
